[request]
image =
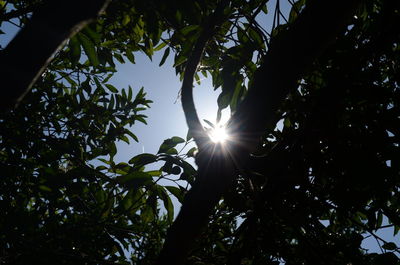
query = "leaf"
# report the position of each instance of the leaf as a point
(113, 150)
(154, 173)
(172, 151)
(135, 179)
(180, 59)
(209, 123)
(296, 8)
(130, 56)
(177, 140)
(89, 48)
(191, 152)
(147, 214)
(112, 88)
(177, 192)
(186, 30)
(126, 20)
(176, 170)
(170, 143)
(166, 53)
(130, 93)
(224, 99)
(92, 34)
(127, 201)
(396, 229)
(143, 159)
(131, 134)
(389, 246)
(124, 138)
(287, 122)
(75, 50)
(167, 203)
(105, 161)
(256, 37)
(44, 188)
(160, 46)
(71, 81)
(189, 135)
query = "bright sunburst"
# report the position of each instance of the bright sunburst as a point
(218, 134)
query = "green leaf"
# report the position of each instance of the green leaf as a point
(160, 46)
(135, 179)
(89, 48)
(180, 59)
(224, 99)
(127, 201)
(147, 214)
(177, 140)
(131, 134)
(130, 93)
(256, 37)
(124, 138)
(154, 173)
(92, 34)
(45, 188)
(170, 143)
(113, 150)
(191, 152)
(177, 192)
(69, 80)
(167, 203)
(143, 159)
(75, 50)
(172, 151)
(126, 20)
(112, 88)
(130, 56)
(287, 122)
(186, 30)
(105, 161)
(166, 53)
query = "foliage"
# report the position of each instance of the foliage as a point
(310, 194)
(57, 202)
(320, 185)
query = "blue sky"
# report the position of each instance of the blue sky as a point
(165, 117)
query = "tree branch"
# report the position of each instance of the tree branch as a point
(28, 54)
(291, 53)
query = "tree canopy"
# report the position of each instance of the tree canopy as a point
(307, 192)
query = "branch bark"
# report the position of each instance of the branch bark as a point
(289, 56)
(28, 54)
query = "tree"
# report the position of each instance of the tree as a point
(307, 193)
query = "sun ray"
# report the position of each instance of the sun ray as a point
(218, 134)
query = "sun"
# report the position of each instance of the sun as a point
(218, 134)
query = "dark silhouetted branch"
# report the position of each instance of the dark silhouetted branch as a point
(28, 54)
(290, 55)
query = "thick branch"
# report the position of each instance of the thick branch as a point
(28, 54)
(189, 223)
(289, 56)
(208, 31)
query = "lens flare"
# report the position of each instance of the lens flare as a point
(218, 134)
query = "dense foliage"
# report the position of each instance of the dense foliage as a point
(310, 194)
